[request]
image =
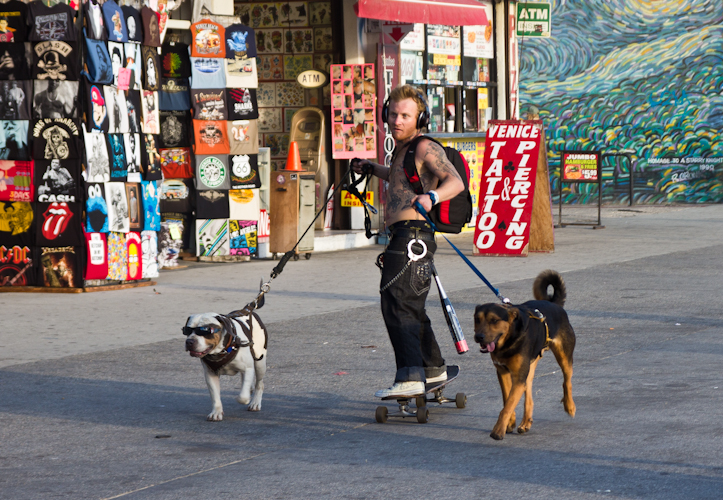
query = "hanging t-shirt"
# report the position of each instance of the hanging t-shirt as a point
(117, 256)
(94, 20)
(212, 172)
(96, 262)
(243, 236)
(16, 181)
(60, 267)
(16, 224)
(16, 266)
(174, 94)
(240, 42)
(175, 60)
(115, 22)
(57, 180)
(242, 104)
(118, 165)
(117, 59)
(135, 256)
(55, 139)
(13, 62)
(55, 99)
(244, 172)
(243, 137)
(176, 163)
(96, 112)
(135, 112)
(212, 204)
(151, 31)
(175, 129)
(51, 23)
(208, 39)
(58, 224)
(209, 104)
(151, 158)
(96, 157)
(15, 145)
(208, 73)
(149, 105)
(134, 24)
(151, 207)
(132, 143)
(97, 60)
(55, 60)
(16, 98)
(244, 204)
(151, 69)
(115, 102)
(149, 243)
(210, 137)
(117, 199)
(12, 21)
(212, 237)
(176, 196)
(134, 62)
(242, 73)
(135, 206)
(182, 228)
(96, 208)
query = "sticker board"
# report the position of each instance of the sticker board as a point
(353, 89)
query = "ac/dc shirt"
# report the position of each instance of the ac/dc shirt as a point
(57, 180)
(51, 23)
(151, 31)
(175, 129)
(151, 158)
(175, 60)
(209, 104)
(115, 22)
(133, 23)
(174, 94)
(13, 62)
(55, 60)
(16, 266)
(58, 224)
(151, 69)
(55, 139)
(14, 14)
(242, 104)
(240, 42)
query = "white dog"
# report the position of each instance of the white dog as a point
(227, 345)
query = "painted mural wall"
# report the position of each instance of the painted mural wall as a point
(643, 76)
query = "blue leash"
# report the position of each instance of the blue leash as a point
(502, 298)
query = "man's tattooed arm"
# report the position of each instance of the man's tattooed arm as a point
(436, 173)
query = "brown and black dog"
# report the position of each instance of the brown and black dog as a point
(516, 336)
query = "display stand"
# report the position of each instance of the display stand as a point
(85, 289)
(581, 167)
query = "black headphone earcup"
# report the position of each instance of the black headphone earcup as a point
(423, 119)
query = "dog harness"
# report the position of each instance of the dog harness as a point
(536, 314)
(233, 342)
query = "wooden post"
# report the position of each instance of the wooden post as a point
(542, 238)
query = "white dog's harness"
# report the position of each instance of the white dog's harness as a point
(233, 343)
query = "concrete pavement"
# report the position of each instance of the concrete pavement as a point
(98, 399)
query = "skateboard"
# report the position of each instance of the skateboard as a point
(421, 400)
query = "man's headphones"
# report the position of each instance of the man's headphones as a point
(422, 119)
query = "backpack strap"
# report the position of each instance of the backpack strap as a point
(410, 166)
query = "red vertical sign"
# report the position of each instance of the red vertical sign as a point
(388, 64)
(507, 187)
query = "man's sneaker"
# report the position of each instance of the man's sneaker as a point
(402, 389)
(439, 378)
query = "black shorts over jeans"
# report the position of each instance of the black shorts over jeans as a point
(403, 303)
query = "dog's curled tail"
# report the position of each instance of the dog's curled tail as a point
(550, 278)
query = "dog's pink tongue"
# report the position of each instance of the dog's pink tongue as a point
(490, 347)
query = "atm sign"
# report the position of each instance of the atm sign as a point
(312, 79)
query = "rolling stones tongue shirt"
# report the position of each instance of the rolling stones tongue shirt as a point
(57, 180)
(242, 104)
(96, 264)
(97, 161)
(209, 104)
(175, 129)
(208, 39)
(96, 209)
(51, 23)
(55, 139)
(16, 180)
(175, 62)
(212, 172)
(55, 60)
(12, 22)
(13, 64)
(244, 172)
(211, 137)
(16, 266)
(16, 223)
(60, 267)
(118, 164)
(58, 224)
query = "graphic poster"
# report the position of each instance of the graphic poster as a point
(243, 236)
(473, 151)
(581, 166)
(507, 188)
(353, 88)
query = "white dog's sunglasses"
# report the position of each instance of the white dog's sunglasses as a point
(202, 331)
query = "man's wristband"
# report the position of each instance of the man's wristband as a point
(434, 197)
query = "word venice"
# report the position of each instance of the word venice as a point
(508, 186)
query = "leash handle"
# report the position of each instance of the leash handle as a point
(424, 214)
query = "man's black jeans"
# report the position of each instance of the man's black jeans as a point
(403, 303)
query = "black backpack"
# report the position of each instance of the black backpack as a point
(451, 215)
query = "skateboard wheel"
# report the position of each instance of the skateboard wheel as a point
(381, 414)
(307, 256)
(422, 415)
(460, 400)
(296, 256)
(420, 401)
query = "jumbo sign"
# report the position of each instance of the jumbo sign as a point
(507, 187)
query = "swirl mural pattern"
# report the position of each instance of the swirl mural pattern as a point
(642, 76)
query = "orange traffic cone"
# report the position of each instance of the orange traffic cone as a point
(293, 160)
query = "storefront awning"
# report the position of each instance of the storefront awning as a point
(449, 12)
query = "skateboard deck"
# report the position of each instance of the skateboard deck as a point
(452, 373)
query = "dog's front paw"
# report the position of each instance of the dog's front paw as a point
(255, 405)
(524, 426)
(243, 400)
(496, 436)
(215, 416)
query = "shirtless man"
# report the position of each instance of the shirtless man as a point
(405, 283)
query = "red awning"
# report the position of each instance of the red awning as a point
(448, 12)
